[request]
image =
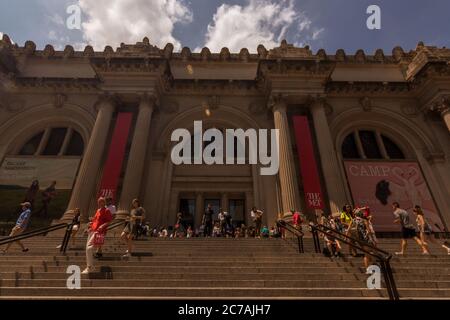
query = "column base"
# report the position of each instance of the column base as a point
(69, 214)
(121, 214)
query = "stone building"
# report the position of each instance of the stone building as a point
(368, 109)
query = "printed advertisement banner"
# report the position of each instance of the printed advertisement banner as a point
(378, 184)
(31, 179)
(116, 155)
(308, 166)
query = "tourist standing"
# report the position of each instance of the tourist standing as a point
(21, 226)
(350, 226)
(408, 230)
(97, 228)
(222, 222)
(256, 216)
(137, 216)
(207, 221)
(297, 220)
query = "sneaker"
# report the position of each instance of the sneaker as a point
(127, 255)
(399, 253)
(98, 255)
(58, 247)
(25, 250)
(88, 270)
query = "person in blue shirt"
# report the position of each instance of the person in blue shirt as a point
(21, 225)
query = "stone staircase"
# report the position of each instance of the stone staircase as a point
(213, 268)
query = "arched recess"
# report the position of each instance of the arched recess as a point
(223, 117)
(413, 141)
(18, 129)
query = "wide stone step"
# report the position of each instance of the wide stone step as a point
(166, 283)
(194, 292)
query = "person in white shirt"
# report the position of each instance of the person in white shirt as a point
(111, 206)
(222, 222)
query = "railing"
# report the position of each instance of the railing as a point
(69, 230)
(281, 224)
(383, 257)
(34, 233)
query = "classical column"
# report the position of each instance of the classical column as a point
(287, 173)
(136, 158)
(199, 209)
(224, 202)
(443, 108)
(85, 183)
(330, 166)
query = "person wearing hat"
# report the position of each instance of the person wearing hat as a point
(21, 226)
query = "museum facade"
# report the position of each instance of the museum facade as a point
(360, 129)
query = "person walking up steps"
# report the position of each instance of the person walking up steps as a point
(97, 228)
(256, 216)
(408, 230)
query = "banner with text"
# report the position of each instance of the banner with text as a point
(378, 184)
(308, 166)
(30, 179)
(116, 154)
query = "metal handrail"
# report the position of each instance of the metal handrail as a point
(297, 233)
(34, 233)
(383, 257)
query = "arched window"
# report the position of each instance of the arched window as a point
(32, 145)
(54, 142)
(369, 144)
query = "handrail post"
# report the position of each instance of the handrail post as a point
(67, 238)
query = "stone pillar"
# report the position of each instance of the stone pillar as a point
(136, 159)
(224, 202)
(84, 188)
(443, 108)
(328, 157)
(199, 209)
(287, 173)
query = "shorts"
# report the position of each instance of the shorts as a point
(408, 233)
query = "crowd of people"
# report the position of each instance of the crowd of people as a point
(355, 223)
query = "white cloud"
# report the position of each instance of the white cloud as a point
(316, 34)
(110, 22)
(264, 22)
(56, 19)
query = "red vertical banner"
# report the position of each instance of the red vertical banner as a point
(116, 154)
(308, 166)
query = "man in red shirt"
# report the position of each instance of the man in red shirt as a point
(99, 224)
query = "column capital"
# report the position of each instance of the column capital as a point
(148, 100)
(106, 100)
(441, 105)
(277, 102)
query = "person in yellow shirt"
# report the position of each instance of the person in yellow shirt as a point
(347, 216)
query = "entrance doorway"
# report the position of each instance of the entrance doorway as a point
(187, 209)
(215, 205)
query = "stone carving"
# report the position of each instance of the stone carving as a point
(60, 100)
(286, 50)
(49, 51)
(365, 103)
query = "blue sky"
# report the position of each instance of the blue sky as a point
(328, 24)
